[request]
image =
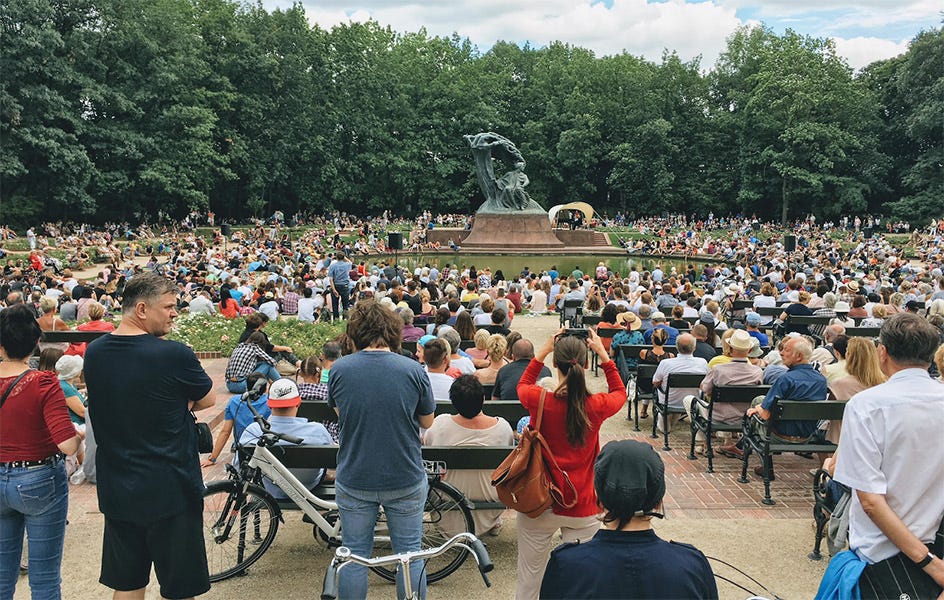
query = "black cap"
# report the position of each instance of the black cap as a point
(629, 478)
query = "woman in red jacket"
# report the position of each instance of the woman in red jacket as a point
(571, 425)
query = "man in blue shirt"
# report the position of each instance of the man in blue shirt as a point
(800, 382)
(658, 322)
(237, 417)
(339, 275)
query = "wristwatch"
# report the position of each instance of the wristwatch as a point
(211, 459)
(925, 561)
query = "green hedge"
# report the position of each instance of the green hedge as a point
(213, 333)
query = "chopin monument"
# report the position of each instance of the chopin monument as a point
(509, 217)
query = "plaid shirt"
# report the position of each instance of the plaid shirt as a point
(290, 303)
(244, 360)
(313, 391)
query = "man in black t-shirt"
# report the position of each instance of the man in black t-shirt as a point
(506, 381)
(150, 488)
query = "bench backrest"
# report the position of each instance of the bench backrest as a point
(738, 393)
(510, 410)
(410, 347)
(72, 337)
(466, 344)
(644, 375)
(455, 457)
(809, 319)
(606, 332)
(869, 332)
(684, 380)
(590, 320)
(800, 410)
(490, 328)
(742, 304)
(768, 311)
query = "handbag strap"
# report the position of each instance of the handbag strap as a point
(537, 421)
(13, 385)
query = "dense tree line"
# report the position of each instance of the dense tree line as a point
(118, 108)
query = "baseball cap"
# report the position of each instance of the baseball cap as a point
(283, 393)
(657, 316)
(629, 478)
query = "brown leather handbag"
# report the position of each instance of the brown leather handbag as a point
(525, 481)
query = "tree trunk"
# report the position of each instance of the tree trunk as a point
(783, 213)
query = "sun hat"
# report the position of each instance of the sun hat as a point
(756, 351)
(740, 340)
(657, 316)
(283, 393)
(841, 307)
(69, 366)
(629, 478)
(629, 319)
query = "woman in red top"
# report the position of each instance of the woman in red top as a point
(571, 425)
(35, 431)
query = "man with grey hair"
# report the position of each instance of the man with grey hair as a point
(150, 487)
(685, 362)
(897, 481)
(800, 382)
(825, 354)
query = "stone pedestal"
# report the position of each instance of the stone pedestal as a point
(514, 230)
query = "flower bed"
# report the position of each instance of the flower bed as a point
(213, 333)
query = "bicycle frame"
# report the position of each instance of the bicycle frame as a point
(270, 466)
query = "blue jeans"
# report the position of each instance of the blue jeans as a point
(341, 300)
(37, 499)
(359, 509)
(238, 387)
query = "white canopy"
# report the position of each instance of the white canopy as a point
(583, 207)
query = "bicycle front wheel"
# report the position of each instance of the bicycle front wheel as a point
(238, 528)
(444, 515)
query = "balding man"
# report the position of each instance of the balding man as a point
(685, 362)
(825, 354)
(506, 381)
(800, 382)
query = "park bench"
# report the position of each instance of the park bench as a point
(822, 509)
(674, 380)
(510, 410)
(869, 332)
(605, 333)
(757, 439)
(808, 320)
(623, 352)
(492, 329)
(644, 391)
(72, 337)
(455, 458)
(719, 394)
(410, 347)
(590, 320)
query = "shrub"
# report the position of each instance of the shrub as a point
(213, 333)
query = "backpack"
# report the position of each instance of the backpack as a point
(526, 480)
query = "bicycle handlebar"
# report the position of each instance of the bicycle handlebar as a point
(344, 556)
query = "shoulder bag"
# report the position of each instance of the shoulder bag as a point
(204, 435)
(526, 479)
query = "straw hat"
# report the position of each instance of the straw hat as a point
(629, 319)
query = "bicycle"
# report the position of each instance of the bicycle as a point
(343, 556)
(241, 518)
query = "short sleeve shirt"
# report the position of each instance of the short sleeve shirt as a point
(139, 388)
(379, 396)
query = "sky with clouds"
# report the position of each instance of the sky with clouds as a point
(864, 30)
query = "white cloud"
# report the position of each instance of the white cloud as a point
(861, 51)
(639, 27)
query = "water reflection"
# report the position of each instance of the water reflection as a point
(513, 264)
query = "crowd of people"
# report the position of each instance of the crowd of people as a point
(460, 319)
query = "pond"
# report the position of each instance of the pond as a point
(565, 263)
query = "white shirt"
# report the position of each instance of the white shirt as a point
(683, 363)
(440, 382)
(306, 309)
(888, 448)
(270, 309)
(201, 305)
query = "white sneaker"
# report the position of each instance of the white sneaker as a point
(78, 478)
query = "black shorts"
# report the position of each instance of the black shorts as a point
(174, 545)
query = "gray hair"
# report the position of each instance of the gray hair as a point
(147, 288)
(452, 337)
(829, 300)
(407, 315)
(909, 339)
(685, 343)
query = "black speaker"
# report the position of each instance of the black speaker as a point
(867, 232)
(225, 229)
(790, 243)
(395, 240)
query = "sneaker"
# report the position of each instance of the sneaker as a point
(78, 478)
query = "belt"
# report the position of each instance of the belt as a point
(237, 379)
(21, 464)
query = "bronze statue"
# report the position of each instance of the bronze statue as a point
(504, 194)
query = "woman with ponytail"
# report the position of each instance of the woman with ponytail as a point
(571, 425)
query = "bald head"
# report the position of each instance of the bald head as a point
(796, 351)
(522, 350)
(833, 331)
(685, 343)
